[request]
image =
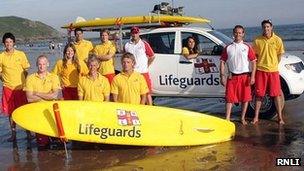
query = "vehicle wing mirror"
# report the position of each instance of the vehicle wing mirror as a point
(217, 50)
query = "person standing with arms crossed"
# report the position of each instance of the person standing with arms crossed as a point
(268, 48)
(144, 57)
(105, 53)
(13, 71)
(83, 47)
(241, 62)
(41, 86)
(129, 86)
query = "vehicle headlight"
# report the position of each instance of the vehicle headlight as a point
(295, 67)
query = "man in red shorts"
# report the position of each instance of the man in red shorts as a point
(268, 48)
(13, 70)
(144, 57)
(241, 62)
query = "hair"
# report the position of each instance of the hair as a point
(238, 27)
(78, 29)
(75, 60)
(195, 48)
(129, 56)
(266, 21)
(105, 31)
(92, 58)
(8, 35)
(42, 56)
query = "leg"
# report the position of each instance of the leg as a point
(278, 104)
(228, 110)
(149, 99)
(244, 110)
(13, 130)
(258, 105)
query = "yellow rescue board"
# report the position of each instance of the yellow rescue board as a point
(128, 20)
(125, 124)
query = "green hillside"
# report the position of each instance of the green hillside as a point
(27, 30)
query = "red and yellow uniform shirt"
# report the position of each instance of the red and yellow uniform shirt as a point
(69, 75)
(268, 52)
(107, 48)
(93, 90)
(12, 67)
(129, 88)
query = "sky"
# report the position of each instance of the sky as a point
(222, 13)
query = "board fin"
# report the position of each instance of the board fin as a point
(204, 130)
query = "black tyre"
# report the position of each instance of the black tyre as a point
(267, 111)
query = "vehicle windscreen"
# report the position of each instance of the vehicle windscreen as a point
(227, 40)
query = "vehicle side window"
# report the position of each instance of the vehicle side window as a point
(161, 42)
(205, 45)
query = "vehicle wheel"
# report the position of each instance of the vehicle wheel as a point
(267, 111)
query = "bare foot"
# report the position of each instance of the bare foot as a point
(255, 121)
(244, 122)
(228, 119)
(281, 122)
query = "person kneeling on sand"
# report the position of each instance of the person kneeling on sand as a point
(241, 62)
(41, 86)
(94, 86)
(129, 86)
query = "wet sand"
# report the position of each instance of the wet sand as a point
(255, 147)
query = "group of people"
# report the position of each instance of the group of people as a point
(247, 66)
(84, 73)
(87, 73)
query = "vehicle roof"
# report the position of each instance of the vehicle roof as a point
(171, 29)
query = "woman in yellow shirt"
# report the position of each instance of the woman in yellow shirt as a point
(190, 51)
(69, 69)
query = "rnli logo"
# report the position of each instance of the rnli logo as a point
(127, 118)
(205, 66)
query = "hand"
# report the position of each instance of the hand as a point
(252, 80)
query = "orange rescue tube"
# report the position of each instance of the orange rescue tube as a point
(58, 122)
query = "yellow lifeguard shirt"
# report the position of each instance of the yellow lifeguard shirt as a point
(42, 85)
(185, 51)
(106, 67)
(93, 90)
(83, 49)
(69, 75)
(12, 67)
(129, 88)
(268, 52)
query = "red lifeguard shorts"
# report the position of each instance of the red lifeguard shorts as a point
(12, 99)
(110, 77)
(148, 80)
(267, 81)
(70, 93)
(238, 89)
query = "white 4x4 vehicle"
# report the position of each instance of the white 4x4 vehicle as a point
(173, 75)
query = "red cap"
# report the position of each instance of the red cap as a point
(134, 30)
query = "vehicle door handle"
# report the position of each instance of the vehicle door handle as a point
(185, 62)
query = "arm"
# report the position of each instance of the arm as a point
(222, 73)
(143, 99)
(150, 60)
(52, 95)
(31, 97)
(252, 78)
(105, 57)
(190, 56)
